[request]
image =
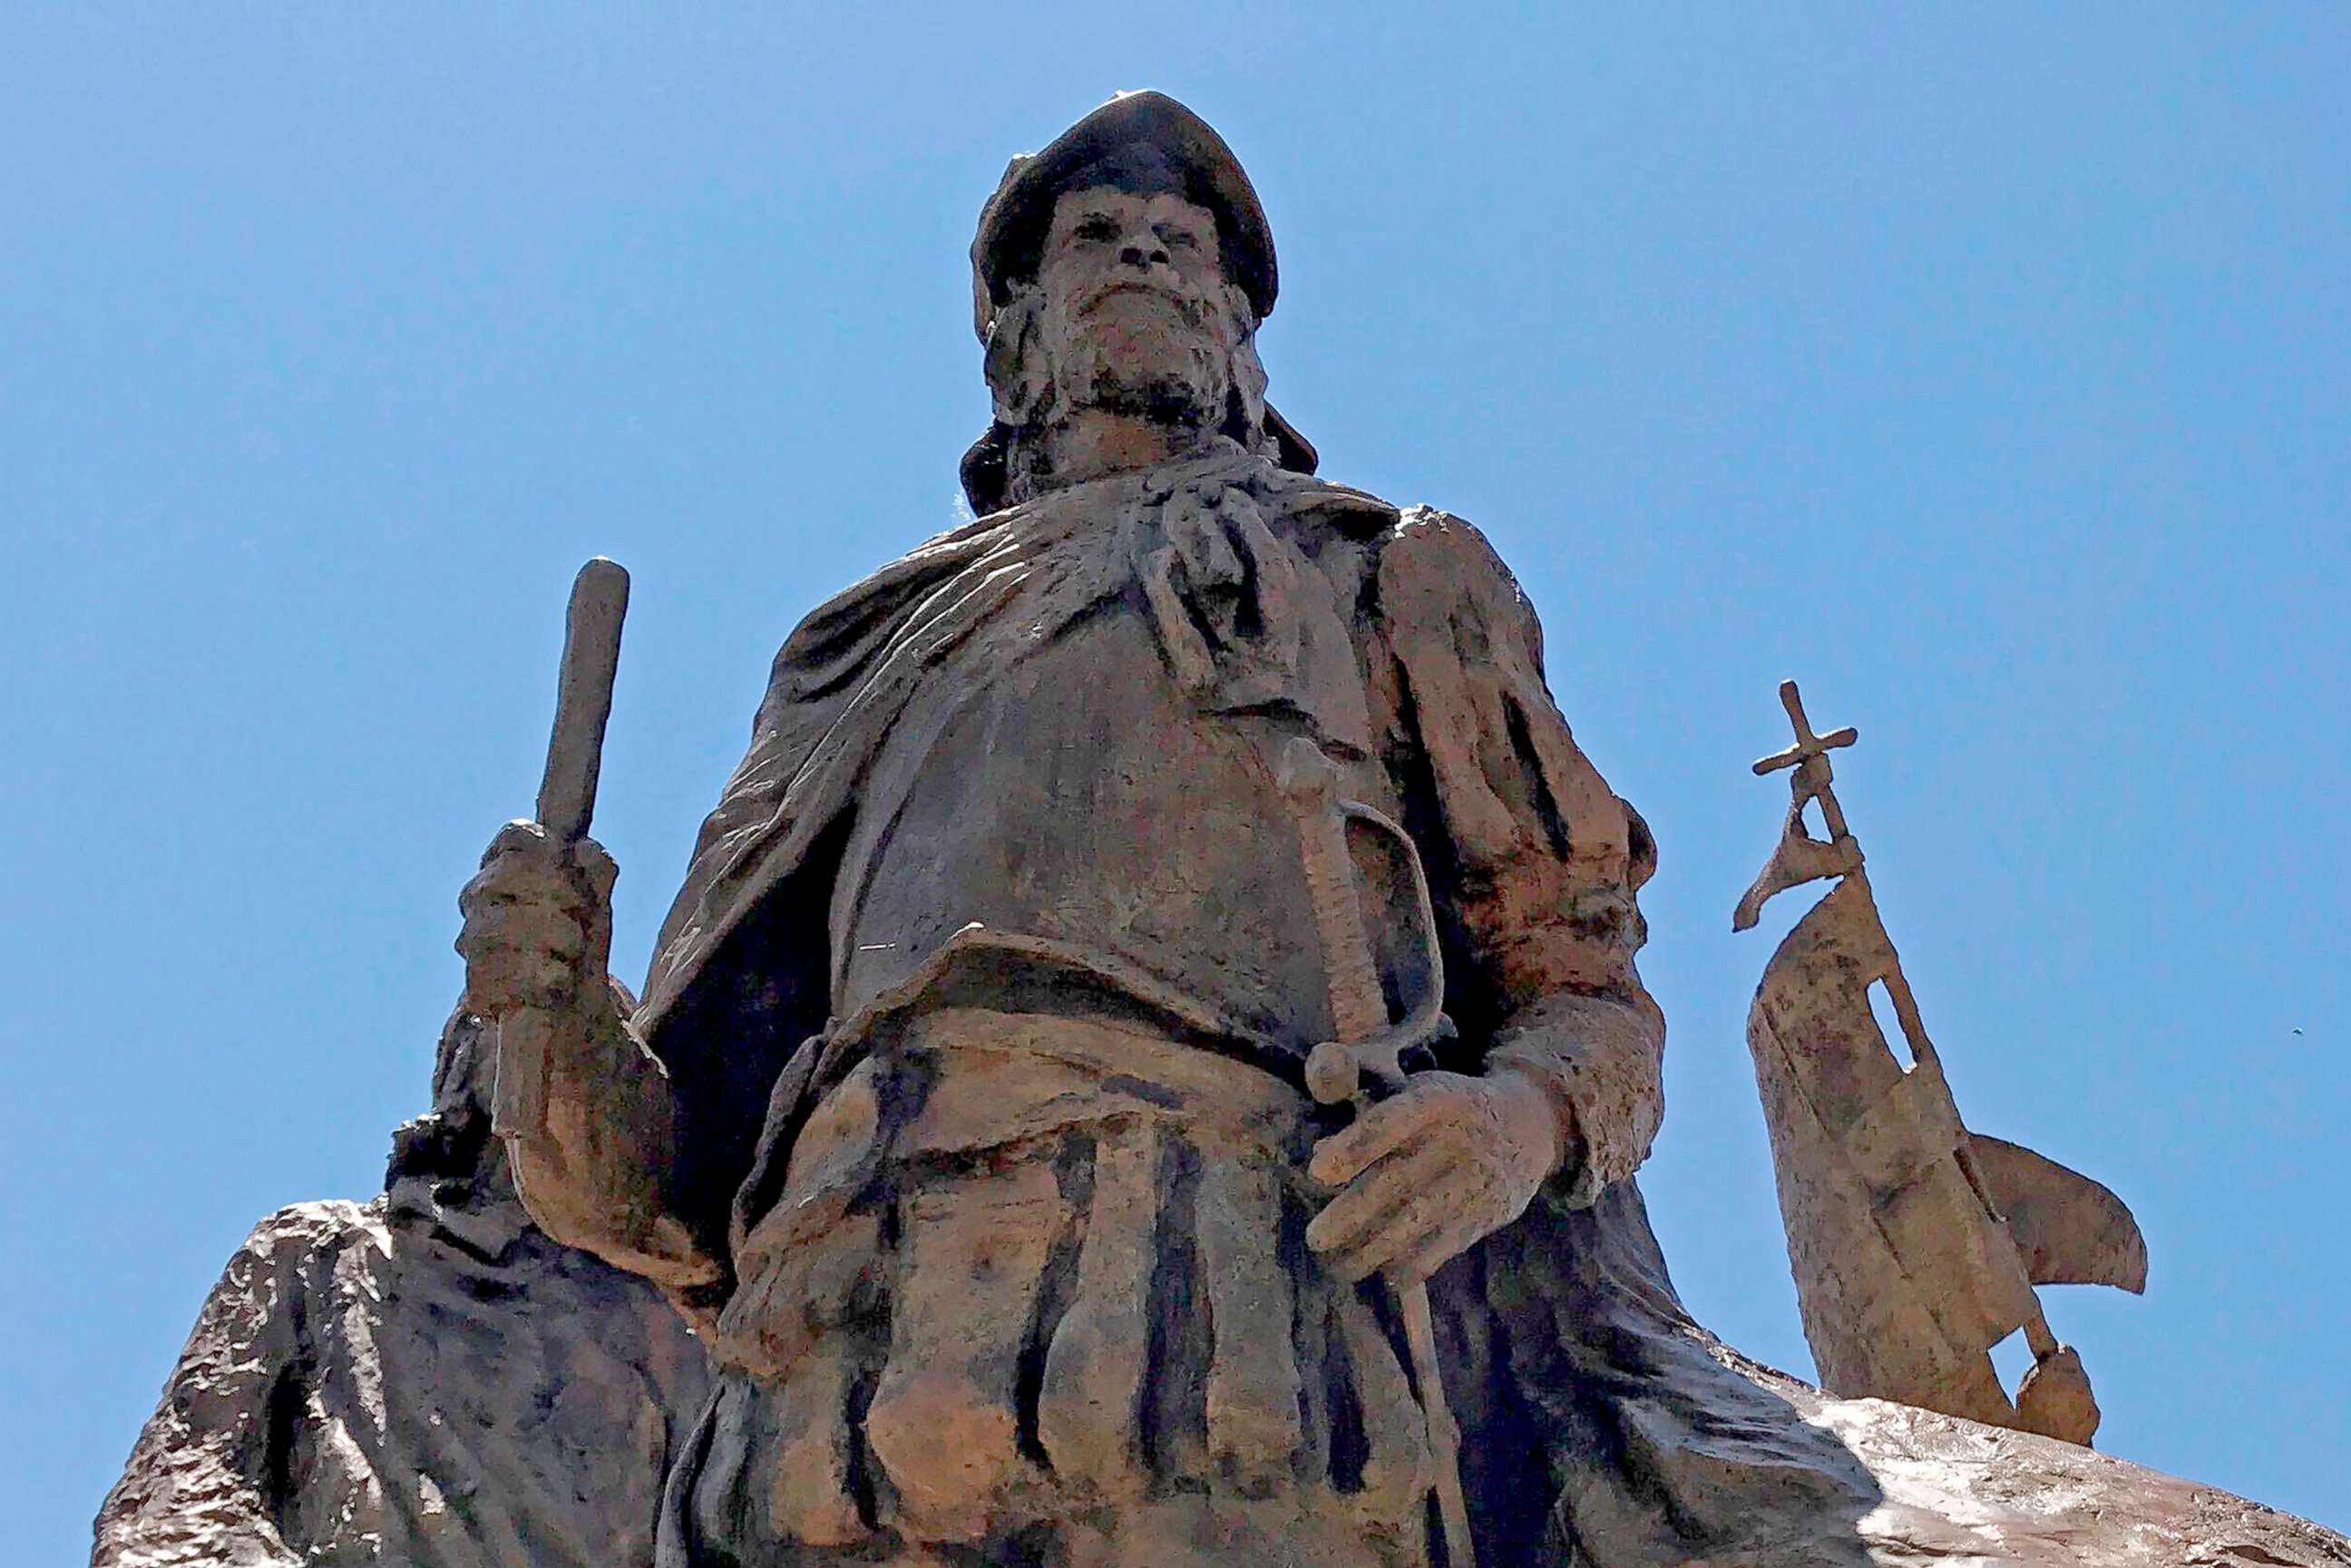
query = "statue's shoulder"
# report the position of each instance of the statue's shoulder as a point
(1420, 549)
(1428, 572)
(1437, 570)
(1430, 539)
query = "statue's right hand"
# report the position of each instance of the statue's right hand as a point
(539, 922)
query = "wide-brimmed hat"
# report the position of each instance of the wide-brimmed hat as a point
(1137, 138)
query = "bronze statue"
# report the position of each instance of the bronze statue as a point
(964, 1104)
(1146, 1067)
(1148, 1045)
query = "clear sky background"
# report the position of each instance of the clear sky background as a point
(1986, 368)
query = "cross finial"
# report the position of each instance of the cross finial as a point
(1801, 857)
(1808, 745)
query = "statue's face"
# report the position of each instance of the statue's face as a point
(1137, 315)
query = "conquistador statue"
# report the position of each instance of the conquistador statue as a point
(975, 1107)
(1145, 1071)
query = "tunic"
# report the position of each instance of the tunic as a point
(1084, 797)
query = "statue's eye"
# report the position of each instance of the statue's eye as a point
(1096, 229)
(1183, 238)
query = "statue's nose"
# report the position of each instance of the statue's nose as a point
(1136, 254)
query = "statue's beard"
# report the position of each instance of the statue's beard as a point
(1184, 362)
(1145, 353)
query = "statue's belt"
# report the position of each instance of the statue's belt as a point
(985, 969)
(1044, 1037)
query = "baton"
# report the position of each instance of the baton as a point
(584, 699)
(566, 801)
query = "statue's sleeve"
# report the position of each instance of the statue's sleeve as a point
(1536, 863)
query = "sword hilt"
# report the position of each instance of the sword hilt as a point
(1310, 781)
(1364, 1060)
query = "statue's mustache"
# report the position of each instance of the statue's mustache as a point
(1193, 309)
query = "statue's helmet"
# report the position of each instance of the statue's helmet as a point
(1145, 142)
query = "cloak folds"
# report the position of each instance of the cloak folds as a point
(743, 972)
(1603, 1425)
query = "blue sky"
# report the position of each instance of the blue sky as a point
(1988, 368)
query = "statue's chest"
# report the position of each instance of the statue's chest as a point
(1082, 795)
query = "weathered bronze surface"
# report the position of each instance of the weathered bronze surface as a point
(1148, 1045)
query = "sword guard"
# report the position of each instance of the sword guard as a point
(1370, 1070)
(1366, 1063)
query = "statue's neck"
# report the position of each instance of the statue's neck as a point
(1093, 443)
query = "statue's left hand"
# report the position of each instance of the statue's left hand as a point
(1428, 1173)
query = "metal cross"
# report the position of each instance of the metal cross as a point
(1810, 753)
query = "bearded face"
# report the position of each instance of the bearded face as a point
(1132, 311)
